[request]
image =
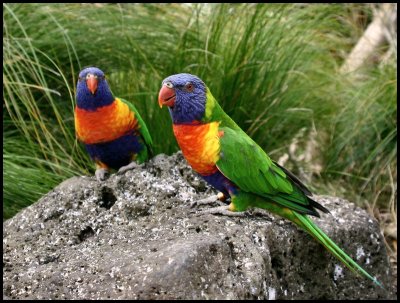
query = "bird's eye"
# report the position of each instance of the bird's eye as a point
(88, 76)
(168, 84)
(189, 87)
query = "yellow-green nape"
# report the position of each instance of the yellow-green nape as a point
(210, 103)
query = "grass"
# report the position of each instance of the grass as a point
(274, 69)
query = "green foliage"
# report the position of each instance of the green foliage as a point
(363, 136)
(272, 67)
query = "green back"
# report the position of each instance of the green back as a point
(246, 164)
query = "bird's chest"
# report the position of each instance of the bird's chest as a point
(105, 124)
(200, 145)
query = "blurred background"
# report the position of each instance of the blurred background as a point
(315, 85)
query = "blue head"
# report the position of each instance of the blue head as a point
(185, 95)
(92, 89)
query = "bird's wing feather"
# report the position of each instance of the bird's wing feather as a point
(247, 165)
(142, 126)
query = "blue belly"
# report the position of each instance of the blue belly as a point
(221, 183)
(116, 153)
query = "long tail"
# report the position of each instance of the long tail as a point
(307, 224)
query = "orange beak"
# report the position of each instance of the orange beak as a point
(91, 83)
(166, 96)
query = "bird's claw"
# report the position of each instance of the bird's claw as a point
(208, 200)
(214, 198)
(221, 210)
(125, 168)
(101, 174)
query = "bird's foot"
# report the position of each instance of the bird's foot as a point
(101, 174)
(222, 210)
(125, 168)
(209, 200)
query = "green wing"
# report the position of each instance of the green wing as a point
(247, 165)
(144, 132)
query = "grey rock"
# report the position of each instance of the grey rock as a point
(134, 236)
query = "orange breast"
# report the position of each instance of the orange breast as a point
(105, 124)
(200, 145)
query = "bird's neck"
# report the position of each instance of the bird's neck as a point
(91, 102)
(194, 122)
(199, 144)
(215, 113)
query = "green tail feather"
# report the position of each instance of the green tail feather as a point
(319, 235)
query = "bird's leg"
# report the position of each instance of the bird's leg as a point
(101, 173)
(125, 168)
(222, 210)
(214, 198)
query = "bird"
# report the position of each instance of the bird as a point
(111, 129)
(233, 163)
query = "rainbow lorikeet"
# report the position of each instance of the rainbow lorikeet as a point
(228, 159)
(111, 128)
